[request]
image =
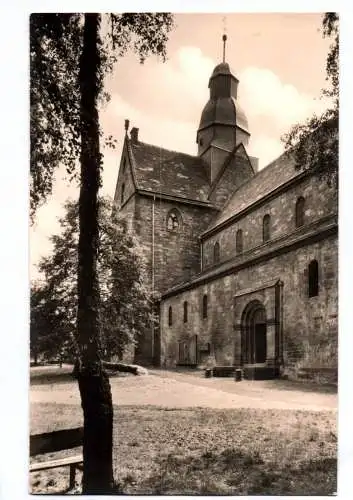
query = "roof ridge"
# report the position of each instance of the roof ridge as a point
(225, 163)
(169, 150)
(132, 162)
(256, 176)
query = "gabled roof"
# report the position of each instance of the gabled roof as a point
(162, 171)
(276, 174)
(239, 151)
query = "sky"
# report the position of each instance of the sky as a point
(279, 60)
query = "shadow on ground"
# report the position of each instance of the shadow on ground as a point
(198, 376)
(54, 374)
(233, 472)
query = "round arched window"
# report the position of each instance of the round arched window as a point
(170, 316)
(216, 253)
(299, 212)
(204, 306)
(313, 278)
(266, 229)
(173, 220)
(239, 241)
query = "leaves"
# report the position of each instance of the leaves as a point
(125, 302)
(55, 48)
(145, 33)
(315, 142)
(55, 44)
(69, 59)
(330, 25)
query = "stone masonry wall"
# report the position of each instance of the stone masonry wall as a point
(320, 200)
(309, 324)
(216, 329)
(128, 212)
(176, 254)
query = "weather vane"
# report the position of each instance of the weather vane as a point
(224, 37)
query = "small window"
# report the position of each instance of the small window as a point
(239, 241)
(124, 165)
(204, 306)
(216, 253)
(122, 194)
(201, 142)
(185, 312)
(299, 212)
(173, 220)
(313, 279)
(170, 316)
(266, 228)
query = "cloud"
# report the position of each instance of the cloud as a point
(266, 149)
(263, 94)
(194, 71)
(170, 133)
(176, 90)
(165, 102)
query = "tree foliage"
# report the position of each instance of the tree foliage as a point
(314, 143)
(55, 45)
(79, 140)
(56, 42)
(51, 335)
(124, 300)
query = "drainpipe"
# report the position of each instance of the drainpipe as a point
(152, 279)
(281, 339)
(201, 247)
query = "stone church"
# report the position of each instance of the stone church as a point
(243, 263)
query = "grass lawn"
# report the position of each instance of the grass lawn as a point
(203, 451)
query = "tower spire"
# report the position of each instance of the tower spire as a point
(224, 37)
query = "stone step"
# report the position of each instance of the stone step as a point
(260, 372)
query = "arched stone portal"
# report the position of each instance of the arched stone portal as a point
(254, 333)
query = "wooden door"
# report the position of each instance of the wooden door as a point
(260, 343)
(188, 351)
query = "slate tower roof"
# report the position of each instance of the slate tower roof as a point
(222, 108)
(223, 124)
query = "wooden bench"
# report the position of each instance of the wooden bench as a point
(51, 442)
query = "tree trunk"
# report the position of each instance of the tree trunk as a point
(93, 382)
(35, 353)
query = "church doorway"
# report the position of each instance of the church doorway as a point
(254, 334)
(187, 352)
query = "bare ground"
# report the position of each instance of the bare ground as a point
(179, 433)
(183, 390)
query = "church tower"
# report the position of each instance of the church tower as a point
(223, 123)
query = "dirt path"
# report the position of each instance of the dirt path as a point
(179, 390)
